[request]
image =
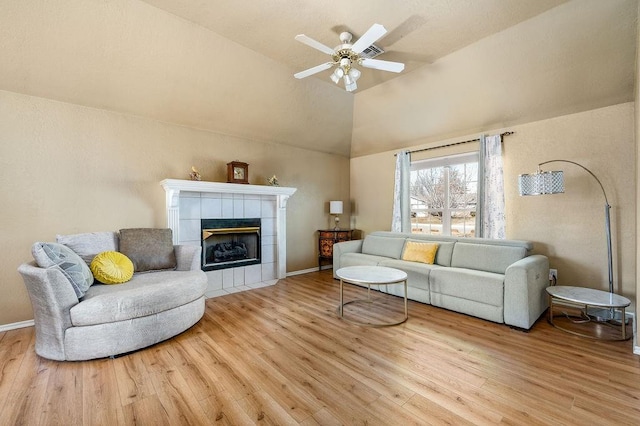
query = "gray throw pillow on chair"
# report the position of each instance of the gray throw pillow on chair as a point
(54, 255)
(150, 249)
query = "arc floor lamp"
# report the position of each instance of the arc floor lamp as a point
(552, 182)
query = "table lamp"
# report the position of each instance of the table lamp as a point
(335, 207)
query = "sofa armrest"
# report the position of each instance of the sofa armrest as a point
(52, 297)
(187, 257)
(353, 246)
(525, 298)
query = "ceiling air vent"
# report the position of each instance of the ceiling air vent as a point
(371, 52)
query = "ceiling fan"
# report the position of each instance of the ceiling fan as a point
(346, 55)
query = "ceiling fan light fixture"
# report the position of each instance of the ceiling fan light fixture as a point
(346, 55)
(349, 83)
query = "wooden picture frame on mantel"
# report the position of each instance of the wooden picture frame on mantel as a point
(237, 172)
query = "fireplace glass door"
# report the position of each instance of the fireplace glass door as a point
(230, 243)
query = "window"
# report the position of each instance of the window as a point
(444, 195)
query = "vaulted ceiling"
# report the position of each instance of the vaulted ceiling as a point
(419, 31)
(227, 66)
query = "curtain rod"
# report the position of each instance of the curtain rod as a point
(455, 143)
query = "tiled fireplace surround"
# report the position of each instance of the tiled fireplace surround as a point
(190, 201)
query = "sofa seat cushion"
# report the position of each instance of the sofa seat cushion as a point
(479, 286)
(360, 259)
(417, 273)
(145, 294)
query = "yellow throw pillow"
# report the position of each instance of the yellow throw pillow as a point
(111, 267)
(420, 252)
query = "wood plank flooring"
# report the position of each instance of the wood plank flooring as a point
(280, 355)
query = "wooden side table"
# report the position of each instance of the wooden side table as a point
(327, 238)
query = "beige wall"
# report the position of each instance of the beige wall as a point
(130, 57)
(575, 57)
(66, 168)
(569, 228)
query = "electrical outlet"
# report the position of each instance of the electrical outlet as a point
(553, 275)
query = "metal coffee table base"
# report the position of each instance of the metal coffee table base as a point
(582, 299)
(396, 277)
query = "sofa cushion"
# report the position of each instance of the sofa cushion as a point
(417, 273)
(111, 267)
(423, 252)
(479, 286)
(383, 246)
(149, 249)
(54, 255)
(445, 251)
(145, 294)
(359, 259)
(89, 244)
(483, 257)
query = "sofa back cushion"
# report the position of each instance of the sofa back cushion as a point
(485, 257)
(383, 246)
(89, 244)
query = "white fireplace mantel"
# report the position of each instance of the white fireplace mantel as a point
(173, 188)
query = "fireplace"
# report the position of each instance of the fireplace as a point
(190, 201)
(230, 243)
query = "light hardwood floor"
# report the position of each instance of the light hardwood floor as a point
(280, 355)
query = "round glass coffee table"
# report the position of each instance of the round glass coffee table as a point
(583, 298)
(371, 275)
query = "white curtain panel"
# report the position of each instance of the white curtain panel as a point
(401, 220)
(492, 216)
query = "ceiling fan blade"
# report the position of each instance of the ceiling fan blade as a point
(314, 70)
(315, 44)
(371, 36)
(377, 64)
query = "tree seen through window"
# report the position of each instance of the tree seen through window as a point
(443, 198)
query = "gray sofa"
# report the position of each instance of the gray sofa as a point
(497, 280)
(113, 319)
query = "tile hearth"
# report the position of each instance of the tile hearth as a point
(190, 201)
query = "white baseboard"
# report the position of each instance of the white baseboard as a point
(306, 271)
(15, 325)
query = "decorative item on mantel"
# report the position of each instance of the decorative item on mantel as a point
(273, 181)
(195, 174)
(237, 172)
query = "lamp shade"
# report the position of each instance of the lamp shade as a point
(541, 183)
(335, 207)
